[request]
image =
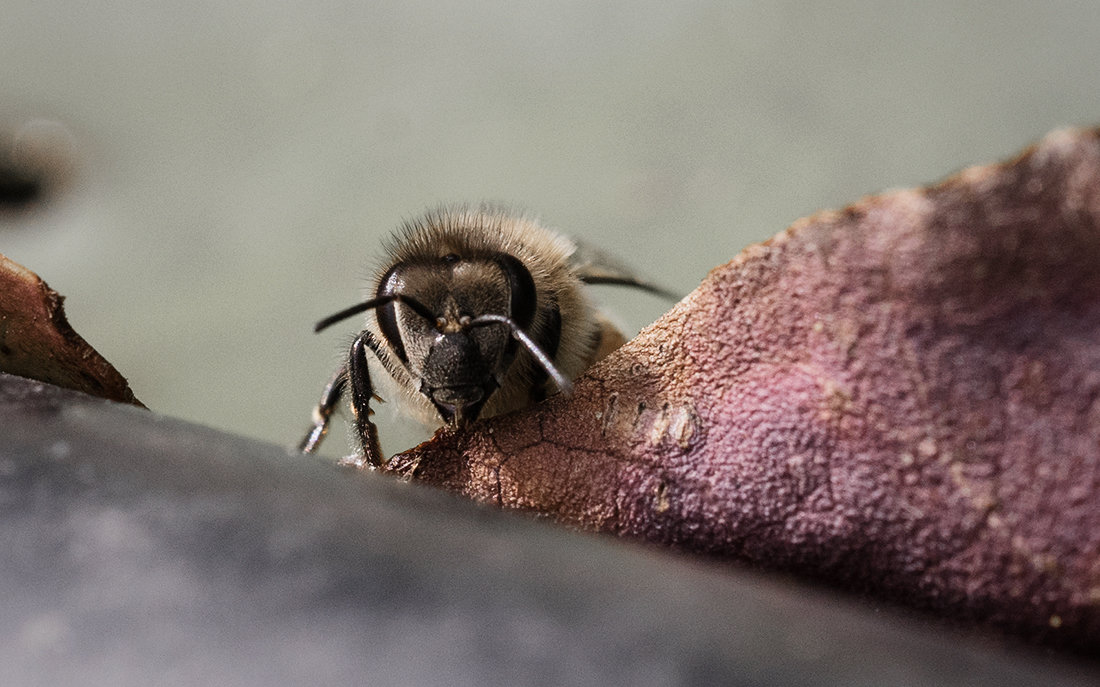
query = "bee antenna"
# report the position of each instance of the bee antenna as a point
(415, 305)
(544, 360)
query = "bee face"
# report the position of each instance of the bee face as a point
(459, 366)
(473, 313)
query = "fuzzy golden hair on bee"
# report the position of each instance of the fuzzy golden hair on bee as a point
(473, 313)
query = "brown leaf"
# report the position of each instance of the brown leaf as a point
(901, 398)
(36, 340)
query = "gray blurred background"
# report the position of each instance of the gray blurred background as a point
(221, 173)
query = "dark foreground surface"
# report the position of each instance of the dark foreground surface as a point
(140, 550)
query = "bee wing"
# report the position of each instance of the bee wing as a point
(594, 266)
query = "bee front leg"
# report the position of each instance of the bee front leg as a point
(330, 398)
(361, 394)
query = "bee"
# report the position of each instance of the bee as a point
(474, 313)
